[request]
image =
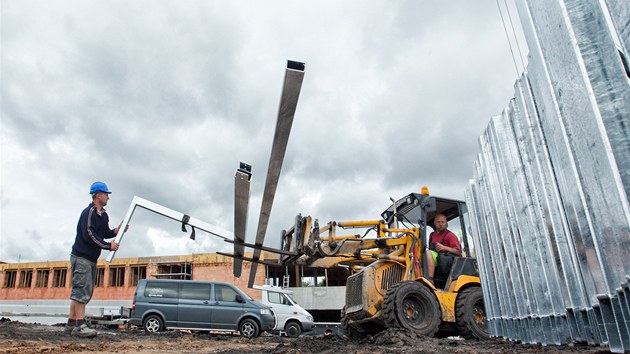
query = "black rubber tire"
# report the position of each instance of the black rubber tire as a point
(471, 314)
(413, 306)
(346, 329)
(153, 324)
(293, 329)
(249, 328)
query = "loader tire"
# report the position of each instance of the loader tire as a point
(412, 306)
(346, 329)
(471, 314)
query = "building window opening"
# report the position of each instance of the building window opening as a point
(42, 278)
(59, 278)
(301, 276)
(174, 271)
(9, 278)
(116, 276)
(100, 275)
(26, 278)
(137, 273)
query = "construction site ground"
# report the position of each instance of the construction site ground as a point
(23, 338)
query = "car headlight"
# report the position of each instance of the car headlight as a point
(310, 318)
(265, 312)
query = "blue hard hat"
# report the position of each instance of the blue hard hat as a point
(99, 187)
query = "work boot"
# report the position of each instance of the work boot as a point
(84, 331)
(69, 327)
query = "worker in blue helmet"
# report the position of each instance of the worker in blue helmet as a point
(92, 230)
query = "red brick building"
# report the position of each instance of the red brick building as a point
(117, 280)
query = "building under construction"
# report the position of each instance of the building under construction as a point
(42, 285)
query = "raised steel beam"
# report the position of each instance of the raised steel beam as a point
(294, 74)
(263, 248)
(241, 205)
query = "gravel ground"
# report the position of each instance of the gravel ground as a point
(24, 338)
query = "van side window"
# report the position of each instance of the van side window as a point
(224, 293)
(193, 291)
(164, 290)
(274, 298)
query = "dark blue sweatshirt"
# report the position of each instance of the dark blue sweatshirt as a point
(92, 230)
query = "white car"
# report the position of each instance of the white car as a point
(291, 318)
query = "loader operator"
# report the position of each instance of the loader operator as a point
(441, 241)
(92, 230)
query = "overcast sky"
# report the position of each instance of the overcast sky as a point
(162, 99)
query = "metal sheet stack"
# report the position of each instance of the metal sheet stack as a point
(548, 202)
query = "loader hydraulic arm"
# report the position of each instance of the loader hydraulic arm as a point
(325, 247)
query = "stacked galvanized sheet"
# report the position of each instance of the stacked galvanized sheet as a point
(548, 203)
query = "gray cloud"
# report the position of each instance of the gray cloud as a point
(162, 100)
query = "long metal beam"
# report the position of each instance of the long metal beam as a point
(294, 74)
(241, 205)
(169, 213)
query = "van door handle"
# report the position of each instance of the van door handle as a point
(206, 302)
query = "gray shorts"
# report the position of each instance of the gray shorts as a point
(83, 279)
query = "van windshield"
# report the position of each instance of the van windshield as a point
(290, 298)
(244, 295)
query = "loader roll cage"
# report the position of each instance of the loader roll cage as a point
(420, 210)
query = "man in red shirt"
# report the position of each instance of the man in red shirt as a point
(441, 241)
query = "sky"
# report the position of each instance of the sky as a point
(163, 99)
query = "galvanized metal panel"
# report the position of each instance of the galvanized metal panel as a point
(550, 186)
(620, 14)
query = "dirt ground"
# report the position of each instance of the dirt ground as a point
(24, 338)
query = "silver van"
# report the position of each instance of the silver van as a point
(197, 305)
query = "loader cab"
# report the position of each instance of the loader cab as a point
(419, 210)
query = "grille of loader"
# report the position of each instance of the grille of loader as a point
(391, 275)
(354, 290)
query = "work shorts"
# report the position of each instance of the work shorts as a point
(83, 279)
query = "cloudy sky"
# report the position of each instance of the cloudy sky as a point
(163, 99)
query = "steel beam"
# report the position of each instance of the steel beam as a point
(294, 74)
(241, 205)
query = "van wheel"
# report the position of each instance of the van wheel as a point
(249, 328)
(293, 330)
(153, 324)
